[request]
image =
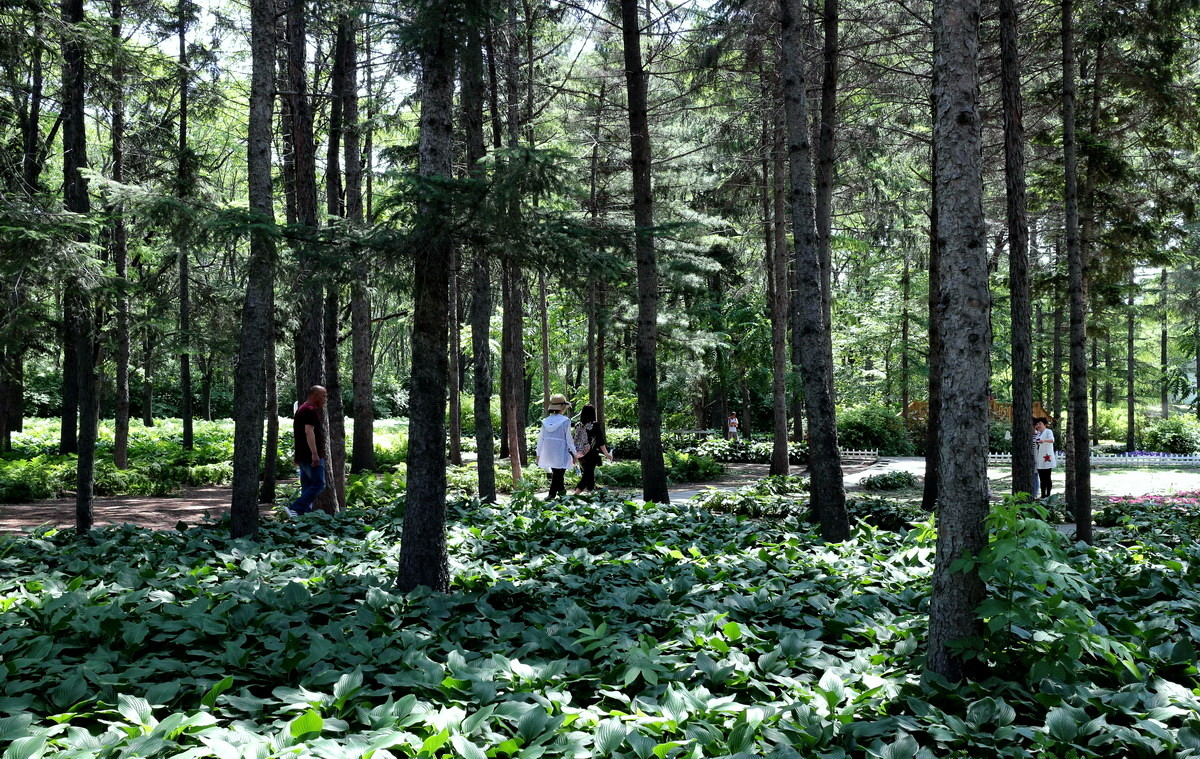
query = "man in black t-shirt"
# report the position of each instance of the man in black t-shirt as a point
(310, 451)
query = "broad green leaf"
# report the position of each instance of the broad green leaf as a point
(26, 748)
(136, 710)
(435, 742)
(610, 734)
(1061, 724)
(904, 747)
(467, 749)
(15, 726)
(309, 722)
(210, 698)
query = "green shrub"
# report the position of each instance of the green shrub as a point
(1174, 435)
(898, 480)
(1000, 437)
(867, 428)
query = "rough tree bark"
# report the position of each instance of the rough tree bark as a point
(828, 493)
(1078, 448)
(363, 448)
(183, 188)
(1018, 250)
(777, 293)
(120, 252)
(270, 469)
(310, 340)
(654, 473)
(965, 302)
(80, 325)
(825, 155)
(423, 558)
(255, 336)
(473, 95)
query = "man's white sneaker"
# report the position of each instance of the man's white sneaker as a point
(291, 512)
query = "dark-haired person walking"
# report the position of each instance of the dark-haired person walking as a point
(310, 451)
(590, 445)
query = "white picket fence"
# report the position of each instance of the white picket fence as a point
(848, 455)
(1110, 459)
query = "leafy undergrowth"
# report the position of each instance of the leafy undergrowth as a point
(1169, 519)
(158, 464)
(584, 628)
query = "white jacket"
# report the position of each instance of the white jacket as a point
(555, 446)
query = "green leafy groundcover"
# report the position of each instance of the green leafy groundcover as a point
(583, 628)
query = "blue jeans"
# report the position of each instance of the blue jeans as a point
(312, 482)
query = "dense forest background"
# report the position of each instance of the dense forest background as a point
(166, 89)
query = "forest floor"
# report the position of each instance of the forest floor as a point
(196, 504)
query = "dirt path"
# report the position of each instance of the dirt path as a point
(156, 513)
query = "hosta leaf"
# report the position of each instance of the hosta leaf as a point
(68, 692)
(210, 698)
(136, 710)
(309, 722)
(532, 723)
(467, 749)
(609, 736)
(15, 726)
(1061, 724)
(26, 748)
(434, 742)
(904, 747)
(347, 685)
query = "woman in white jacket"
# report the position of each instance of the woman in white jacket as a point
(555, 449)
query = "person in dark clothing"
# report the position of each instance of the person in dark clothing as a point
(310, 451)
(587, 428)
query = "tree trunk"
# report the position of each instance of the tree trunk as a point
(825, 155)
(481, 297)
(965, 302)
(1162, 350)
(120, 253)
(510, 383)
(1095, 397)
(336, 410)
(828, 494)
(1018, 251)
(80, 326)
(68, 436)
(270, 473)
(1058, 354)
(148, 376)
(363, 449)
(654, 473)
(184, 181)
(777, 263)
(1130, 367)
(256, 336)
(905, 286)
(543, 313)
(310, 342)
(1108, 367)
(454, 388)
(933, 417)
(423, 557)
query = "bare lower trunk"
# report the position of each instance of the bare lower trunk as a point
(828, 493)
(933, 418)
(148, 377)
(454, 391)
(1018, 252)
(965, 302)
(1130, 368)
(777, 263)
(256, 336)
(270, 469)
(654, 473)
(335, 407)
(423, 559)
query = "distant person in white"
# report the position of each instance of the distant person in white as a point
(1044, 457)
(555, 449)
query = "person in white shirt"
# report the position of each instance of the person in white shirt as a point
(1044, 456)
(732, 425)
(555, 449)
